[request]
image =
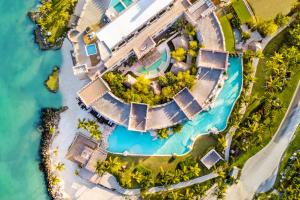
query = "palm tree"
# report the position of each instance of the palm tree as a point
(54, 180)
(81, 124)
(96, 134)
(60, 166)
(126, 180)
(114, 164)
(222, 141)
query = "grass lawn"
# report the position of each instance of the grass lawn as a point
(241, 11)
(228, 33)
(52, 83)
(154, 163)
(268, 9)
(259, 90)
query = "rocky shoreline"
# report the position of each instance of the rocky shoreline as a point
(48, 127)
(39, 37)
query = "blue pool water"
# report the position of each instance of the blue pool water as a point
(127, 2)
(91, 49)
(141, 143)
(154, 68)
(119, 7)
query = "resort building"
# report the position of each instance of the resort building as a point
(132, 34)
(86, 152)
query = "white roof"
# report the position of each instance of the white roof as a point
(131, 20)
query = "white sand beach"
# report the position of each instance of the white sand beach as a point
(74, 186)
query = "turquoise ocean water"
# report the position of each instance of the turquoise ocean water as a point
(23, 68)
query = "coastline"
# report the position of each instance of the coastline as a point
(50, 118)
(73, 186)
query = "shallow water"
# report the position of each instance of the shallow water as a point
(141, 143)
(23, 68)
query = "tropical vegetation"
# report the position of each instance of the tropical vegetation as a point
(53, 17)
(158, 168)
(241, 10)
(91, 126)
(228, 33)
(142, 92)
(276, 80)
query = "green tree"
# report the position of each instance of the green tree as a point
(179, 54)
(60, 166)
(281, 20)
(267, 28)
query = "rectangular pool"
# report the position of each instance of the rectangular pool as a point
(127, 2)
(119, 7)
(91, 49)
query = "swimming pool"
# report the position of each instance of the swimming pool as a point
(141, 143)
(154, 68)
(120, 5)
(91, 49)
(127, 2)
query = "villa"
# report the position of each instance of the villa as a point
(86, 152)
(132, 36)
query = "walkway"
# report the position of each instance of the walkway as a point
(260, 171)
(184, 184)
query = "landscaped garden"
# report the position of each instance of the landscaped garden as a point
(276, 80)
(141, 91)
(228, 33)
(159, 170)
(241, 10)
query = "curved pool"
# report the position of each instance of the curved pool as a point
(156, 67)
(142, 143)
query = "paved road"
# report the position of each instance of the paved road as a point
(259, 172)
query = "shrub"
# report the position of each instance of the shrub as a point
(178, 54)
(281, 20)
(246, 35)
(267, 28)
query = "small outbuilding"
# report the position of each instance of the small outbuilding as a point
(211, 158)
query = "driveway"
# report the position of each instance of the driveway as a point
(259, 172)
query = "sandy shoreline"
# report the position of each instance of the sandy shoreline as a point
(74, 186)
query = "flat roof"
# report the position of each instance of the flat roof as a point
(211, 158)
(92, 91)
(131, 20)
(187, 103)
(113, 108)
(213, 59)
(138, 117)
